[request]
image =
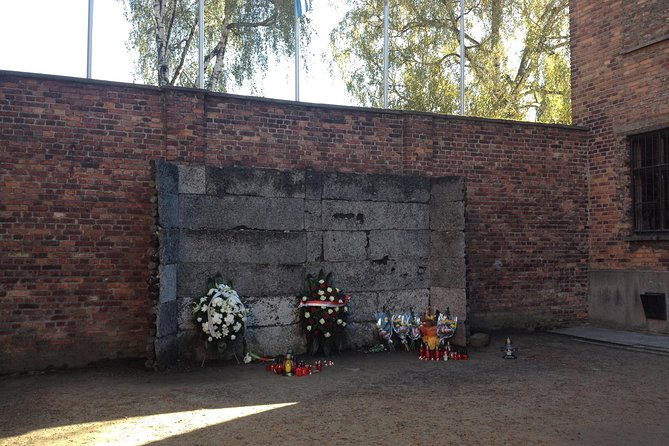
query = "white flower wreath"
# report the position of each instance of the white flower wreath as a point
(220, 314)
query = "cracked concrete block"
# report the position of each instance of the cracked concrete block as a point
(344, 245)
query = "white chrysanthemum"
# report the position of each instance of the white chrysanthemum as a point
(307, 314)
(304, 298)
(321, 292)
(322, 297)
(224, 331)
(339, 321)
(343, 324)
(329, 310)
(321, 281)
(346, 310)
(233, 337)
(199, 319)
(327, 334)
(308, 327)
(210, 339)
(331, 298)
(337, 309)
(329, 290)
(322, 321)
(229, 319)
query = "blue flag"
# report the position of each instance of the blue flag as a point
(302, 7)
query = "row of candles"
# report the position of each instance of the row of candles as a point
(442, 353)
(290, 367)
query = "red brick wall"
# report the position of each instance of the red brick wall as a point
(620, 74)
(76, 208)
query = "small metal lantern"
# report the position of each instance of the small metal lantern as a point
(509, 350)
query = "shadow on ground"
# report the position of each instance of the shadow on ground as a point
(558, 391)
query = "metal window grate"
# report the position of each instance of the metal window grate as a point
(650, 180)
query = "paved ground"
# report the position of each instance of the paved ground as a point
(558, 392)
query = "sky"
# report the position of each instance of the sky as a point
(50, 37)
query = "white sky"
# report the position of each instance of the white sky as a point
(50, 36)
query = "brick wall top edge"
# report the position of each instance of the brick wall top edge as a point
(76, 80)
(307, 105)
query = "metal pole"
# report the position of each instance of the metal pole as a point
(89, 56)
(200, 32)
(297, 55)
(385, 54)
(462, 57)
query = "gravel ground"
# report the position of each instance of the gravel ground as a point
(559, 391)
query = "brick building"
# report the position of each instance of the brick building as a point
(620, 74)
(557, 220)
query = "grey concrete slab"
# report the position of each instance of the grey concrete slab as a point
(256, 182)
(339, 186)
(369, 215)
(641, 341)
(231, 212)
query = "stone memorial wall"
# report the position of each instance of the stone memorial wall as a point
(391, 241)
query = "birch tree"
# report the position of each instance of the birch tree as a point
(239, 37)
(517, 56)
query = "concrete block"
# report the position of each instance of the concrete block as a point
(189, 345)
(255, 182)
(447, 244)
(168, 282)
(169, 245)
(369, 187)
(272, 341)
(192, 180)
(344, 245)
(168, 210)
(248, 279)
(362, 306)
(447, 216)
(444, 189)
(448, 272)
(268, 311)
(404, 301)
(369, 215)
(166, 323)
(259, 247)
(312, 215)
(313, 185)
(314, 246)
(453, 298)
(167, 177)
(282, 214)
(360, 334)
(185, 314)
(399, 244)
(167, 351)
(377, 275)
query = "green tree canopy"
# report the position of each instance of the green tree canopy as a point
(425, 56)
(239, 36)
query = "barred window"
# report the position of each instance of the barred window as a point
(650, 180)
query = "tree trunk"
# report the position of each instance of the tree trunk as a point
(161, 43)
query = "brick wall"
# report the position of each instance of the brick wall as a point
(619, 88)
(76, 211)
(620, 73)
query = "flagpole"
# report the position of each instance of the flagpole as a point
(462, 57)
(89, 55)
(297, 54)
(385, 54)
(200, 38)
